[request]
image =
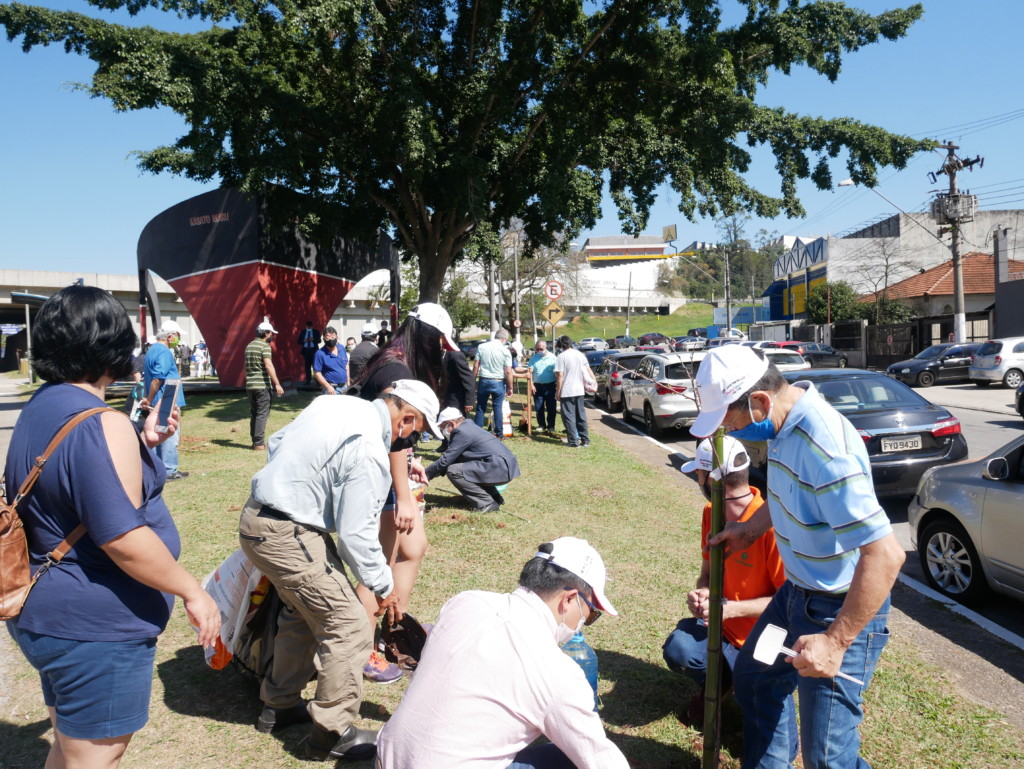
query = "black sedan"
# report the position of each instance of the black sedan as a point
(904, 433)
(938, 363)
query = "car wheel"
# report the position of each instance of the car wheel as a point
(926, 379)
(626, 416)
(1013, 378)
(981, 382)
(950, 563)
(842, 363)
(652, 427)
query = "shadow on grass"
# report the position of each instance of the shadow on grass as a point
(24, 745)
(235, 408)
(192, 688)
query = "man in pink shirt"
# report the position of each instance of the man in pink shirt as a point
(493, 678)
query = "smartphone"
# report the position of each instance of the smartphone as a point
(168, 397)
(137, 414)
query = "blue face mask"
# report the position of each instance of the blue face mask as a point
(757, 431)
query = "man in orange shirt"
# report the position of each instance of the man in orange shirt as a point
(752, 576)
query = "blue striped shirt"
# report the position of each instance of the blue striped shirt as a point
(821, 496)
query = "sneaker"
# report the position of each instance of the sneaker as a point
(380, 671)
(491, 508)
(355, 744)
(278, 718)
(177, 475)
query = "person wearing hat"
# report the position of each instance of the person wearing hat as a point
(261, 382)
(837, 545)
(328, 473)
(752, 575)
(159, 366)
(330, 366)
(415, 352)
(492, 677)
(362, 352)
(476, 462)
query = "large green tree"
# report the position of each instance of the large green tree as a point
(435, 117)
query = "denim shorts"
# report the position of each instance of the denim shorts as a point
(99, 689)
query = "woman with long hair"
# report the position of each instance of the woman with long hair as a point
(90, 623)
(414, 352)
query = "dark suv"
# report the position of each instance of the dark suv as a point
(622, 341)
(818, 355)
(938, 363)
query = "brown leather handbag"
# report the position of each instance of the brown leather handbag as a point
(15, 579)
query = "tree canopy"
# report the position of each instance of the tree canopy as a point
(435, 118)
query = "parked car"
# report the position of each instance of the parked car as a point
(701, 331)
(654, 338)
(596, 357)
(999, 360)
(967, 526)
(904, 433)
(660, 391)
(592, 343)
(787, 360)
(718, 341)
(938, 363)
(609, 377)
(682, 343)
(1019, 399)
(818, 355)
(763, 344)
(610, 343)
(469, 347)
(732, 333)
(651, 348)
(622, 340)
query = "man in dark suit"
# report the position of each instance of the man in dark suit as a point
(309, 342)
(476, 461)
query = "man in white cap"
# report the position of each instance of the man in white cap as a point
(840, 554)
(752, 575)
(158, 367)
(328, 472)
(261, 382)
(362, 352)
(492, 678)
(476, 462)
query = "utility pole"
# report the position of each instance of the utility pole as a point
(490, 297)
(953, 209)
(728, 294)
(629, 299)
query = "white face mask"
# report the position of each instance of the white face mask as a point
(564, 633)
(446, 432)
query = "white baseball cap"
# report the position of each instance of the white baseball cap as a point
(170, 327)
(449, 414)
(420, 397)
(724, 375)
(577, 556)
(435, 315)
(265, 326)
(735, 458)
(368, 329)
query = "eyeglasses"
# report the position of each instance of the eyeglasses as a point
(595, 613)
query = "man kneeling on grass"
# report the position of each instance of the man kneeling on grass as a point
(476, 461)
(492, 678)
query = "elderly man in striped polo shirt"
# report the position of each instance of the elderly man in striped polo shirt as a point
(839, 551)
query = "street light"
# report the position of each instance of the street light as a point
(958, 296)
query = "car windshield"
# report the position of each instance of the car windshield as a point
(873, 393)
(630, 363)
(786, 358)
(932, 353)
(686, 370)
(990, 348)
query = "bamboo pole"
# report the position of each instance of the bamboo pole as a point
(715, 660)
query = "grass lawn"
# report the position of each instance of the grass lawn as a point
(645, 524)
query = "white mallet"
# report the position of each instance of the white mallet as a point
(772, 643)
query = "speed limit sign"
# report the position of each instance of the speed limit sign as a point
(553, 290)
(517, 323)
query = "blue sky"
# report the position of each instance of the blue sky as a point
(73, 198)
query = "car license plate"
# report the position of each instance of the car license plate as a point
(905, 443)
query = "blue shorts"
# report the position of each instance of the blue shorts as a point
(99, 689)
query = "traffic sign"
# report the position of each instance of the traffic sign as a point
(553, 313)
(10, 329)
(553, 290)
(517, 323)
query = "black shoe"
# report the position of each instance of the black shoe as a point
(278, 718)
(177, 475)
(355, 744)
(491, 508)
(498, 498)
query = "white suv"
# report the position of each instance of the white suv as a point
(660, 391)
(999, 360)
(593, 343)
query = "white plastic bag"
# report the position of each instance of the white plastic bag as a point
(231, 586)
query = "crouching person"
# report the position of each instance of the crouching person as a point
(492, 678)
(328, 472)
(476, 461)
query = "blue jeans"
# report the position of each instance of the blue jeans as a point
(168, 451)
(686, 651)
(490, 388)
(544, 405)
(830, 708)
(546, 756)
(574, 417)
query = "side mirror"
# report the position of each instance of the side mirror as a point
(997, 469)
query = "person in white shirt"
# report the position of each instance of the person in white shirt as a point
(492, 677)
(570, 370)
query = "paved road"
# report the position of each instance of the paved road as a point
(10, 407)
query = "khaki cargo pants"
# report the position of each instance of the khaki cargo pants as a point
(323, 627)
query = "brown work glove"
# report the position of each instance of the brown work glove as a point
(389, 606)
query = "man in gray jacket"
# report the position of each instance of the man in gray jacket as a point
(476, 461)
